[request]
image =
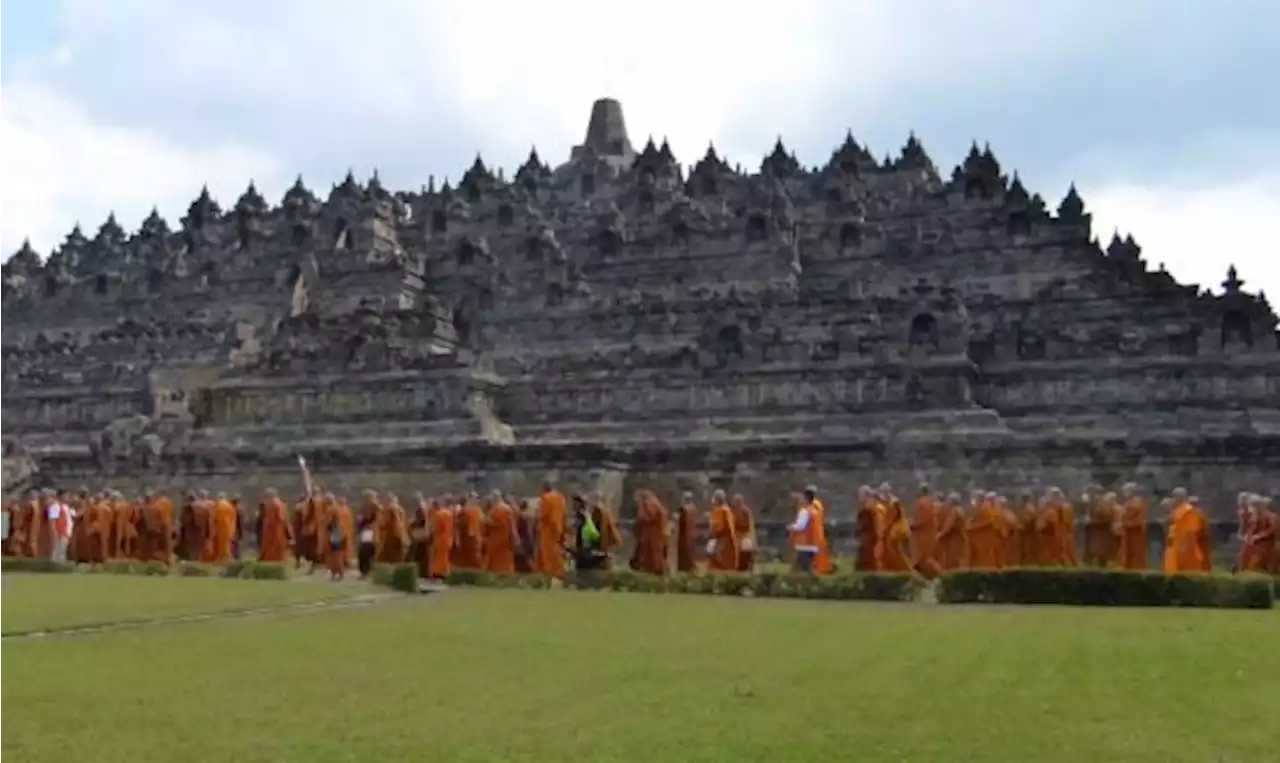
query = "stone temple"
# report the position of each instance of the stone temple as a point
(624, 322)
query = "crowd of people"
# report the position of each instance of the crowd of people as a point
(546, 534)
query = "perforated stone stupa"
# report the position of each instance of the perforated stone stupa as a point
(626, 322)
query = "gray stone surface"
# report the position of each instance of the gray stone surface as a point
(629, 323)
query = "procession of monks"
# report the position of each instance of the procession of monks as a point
(501, 535)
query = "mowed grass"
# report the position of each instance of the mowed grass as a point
(476, 675)
(50, 602)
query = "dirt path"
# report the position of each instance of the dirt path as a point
(304, 608)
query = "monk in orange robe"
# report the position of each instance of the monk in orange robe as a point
(471, 532)
(1134, 548)
(549, 555)
(952, 544)
(126, 516)
(1183, 551)
(442, 537)
(1100, 537)
(224, 531)
(392, 532)
(924, 535)
(95, 540)
(103, 523)
(688, 519)
(1205, 538)
(501, 536)
(1261, 539)
(651, 532)
(333, 536)
(983, 532)
(722, 548)
(275, 536)
(1049, 530)
(897, 539)
(1025, 519)
(163, 509)
(744, 527)
(1068, 553)
(869, 525)
(147, 528)
(23, 517)
(822, 565)
(607, 523)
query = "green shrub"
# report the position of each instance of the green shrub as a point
(32, 564)
(400, 577)
(197, 570)
(879, 587)
(121, 567)
(1115, 588)
(267, 571)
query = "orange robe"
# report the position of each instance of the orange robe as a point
(276, 536)
(1026, 521)
(1006, 525)
(224, 531)
(335, 558)
(953, 543)
(126, 516)
(610, 533)
(984, 538)
(163, 512)
(1134, 548)
(822, 564)
(470, 538)
(744, 527)
(924, 537)
(687, 522)
(1205, 540)
(103, 524)
(1049, 542)
(1067, 537)
(549, 555)
(501, 539)
(869, 530)
(390, 535)
(348, 519)
(1183, 551)
(723, 540)
(441, 522)
(1260, 544)
(1100, 537)
(651, 537)
(897, 540)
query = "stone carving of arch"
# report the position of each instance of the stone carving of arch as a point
(1237, 331)
(923, 337)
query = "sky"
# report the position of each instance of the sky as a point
(1155, 109)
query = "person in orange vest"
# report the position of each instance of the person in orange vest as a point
(805, 531)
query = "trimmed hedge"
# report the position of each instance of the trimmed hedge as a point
(243, 569)
(401, 577)
(847, 587)
(1106, 588)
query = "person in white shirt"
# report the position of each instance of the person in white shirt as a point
(61, 523)
(804, 530)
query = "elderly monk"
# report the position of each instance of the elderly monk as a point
(688, 519)
(722, 545)
(924, 534)
(549, 555)
(442, 517)
(469, 555)
(1261, 539)
(1183, 551)
(897, 539)
(869, 524)
(1100, 536)
(501, 536)
(275, 536)
(650, 531)
(224, 530)
(1049, 530)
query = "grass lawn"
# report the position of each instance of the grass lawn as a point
(41, 601)
(476, 675)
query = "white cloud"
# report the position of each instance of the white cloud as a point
(142, 101)
(59, 168)
(1199, 232)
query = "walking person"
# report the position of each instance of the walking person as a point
(804, 530)
(62, 523)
